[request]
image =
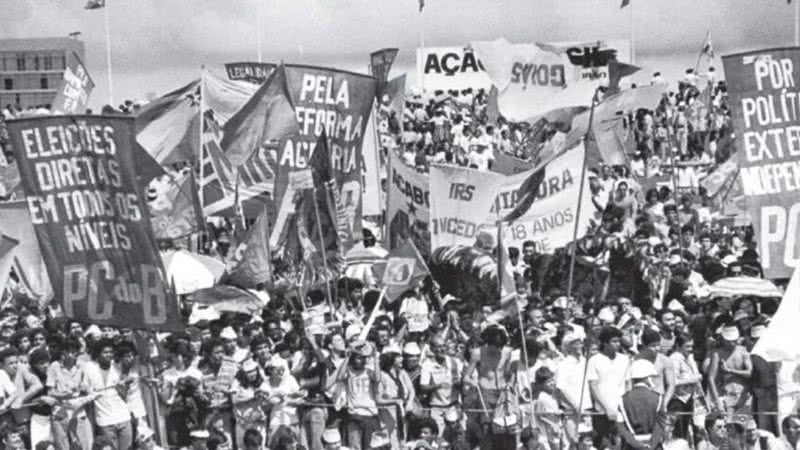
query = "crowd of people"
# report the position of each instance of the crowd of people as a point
(636, 354)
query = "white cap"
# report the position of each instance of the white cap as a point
(642, 368)
(331, 436)
(228, 333)
(144, 432)
(249, 366)
(411, 349)
(606, 315)
(199, 434)
(573, 336)
(675, 305)
(391, 348)
(730, 334)
(93, 330)
(277, 361)
(352, 331)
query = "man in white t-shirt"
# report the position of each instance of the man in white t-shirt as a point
(112, 415)
(606, 374)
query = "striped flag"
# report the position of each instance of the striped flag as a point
(95, 4)
(253, 265)
(168, 126)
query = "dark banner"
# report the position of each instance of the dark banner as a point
(90, 217)
(765, 104)
(253, 72)
(77, 86)
(338, 103)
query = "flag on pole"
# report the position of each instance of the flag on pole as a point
(95, 4)
(167, 128)
(404, 269)
(617, 71)
(253, 265)
(267, 117)
(773, 344)
(421, 5)
(625, 3)
(708, 48)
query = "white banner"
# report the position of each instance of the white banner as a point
(550, 222)
(448, 68)
(462, 202)
(535, 78)
(371, 177)
(408, 205)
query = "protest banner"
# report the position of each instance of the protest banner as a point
(338, 103)
(510, 165)
(460, 208)
(446, 68)
(77, 86)
(532, 79)
(550, 222)
(380, 63)
(174, 206)
(89, 215)
(762, 87)
(252, 72)
(373, 196)
(407, 206)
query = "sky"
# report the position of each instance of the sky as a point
(159, 45)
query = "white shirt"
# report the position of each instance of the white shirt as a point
(433, 372)
(480, 159)
(283, 414)
(568, 380)
(610, 375)
(110, 408)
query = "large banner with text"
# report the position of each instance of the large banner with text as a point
(446, 68)
(765, 100)
(408, 206)
(91, 220)
(339, 103)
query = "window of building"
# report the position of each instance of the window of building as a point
(20, 61)
(48, 62)
(36, 63)
(8, 84)
(61, 62)
(43, 82)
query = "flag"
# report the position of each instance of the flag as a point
(95, 4)
(312, 241)
(404, 269)
(381, 63)
(708, 47)
(167, 128)
(773, 344)
(253, 265)
(421, 5)
(267, 117)
(624, 3)
(29, 266)
(174, 206)
(7, 246)
(617, 71)
(526, 194)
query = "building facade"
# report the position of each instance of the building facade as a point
(31, 70)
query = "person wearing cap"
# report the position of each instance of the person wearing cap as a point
(764, 383)
(729, 370)
(639, 407)
(440, 379)
(145, 438)
(360, 386)
(332, 440)
(280, 390)
(606, 375)
(247, 403)
(664, 379)
(411, 363)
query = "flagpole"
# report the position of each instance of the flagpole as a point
(421, 81)
(108, 56)
(580, 200)
(796, 23)
(322, 248)
(700, 55)
(258, 27)
(633, 34)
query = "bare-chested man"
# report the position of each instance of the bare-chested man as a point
(730, 370)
